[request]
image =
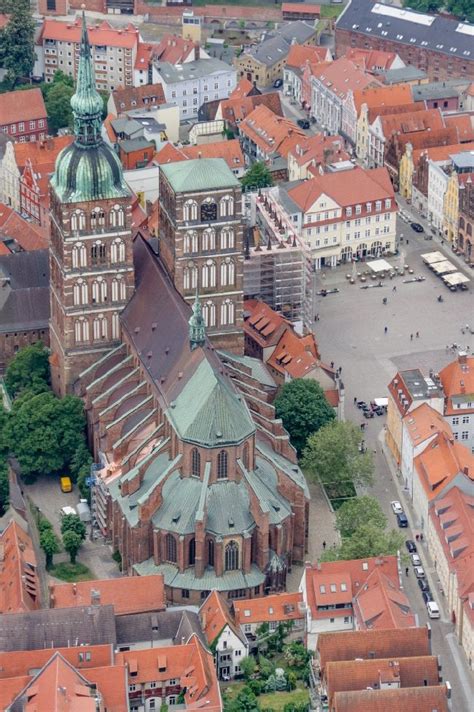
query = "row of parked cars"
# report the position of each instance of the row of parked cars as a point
(373, 408)
(431, 606)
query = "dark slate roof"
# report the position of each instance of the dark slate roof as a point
(57, 627)
(277, 46)
(403, 74)
(172, 626)
(415, 29)
(436, 90)
(24, 291)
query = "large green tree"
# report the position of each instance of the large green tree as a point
(50, 545)
(257, 176)
(424, 5)
(464, 9)
(303, 408)
(29, 369)
(72, 543)
(72, 523)
(44, 432)
(332, 457)
(57, 96)
(245, 701)
(359, 511)
(366, 541)
(17, 42)
(4, 487)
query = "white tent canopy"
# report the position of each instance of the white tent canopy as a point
(443, 267)
(431, 257)
(379, 266)
(455, 279)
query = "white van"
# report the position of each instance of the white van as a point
(67, 510)
(433, 609)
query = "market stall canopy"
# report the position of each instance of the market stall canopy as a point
(380, 266)
(443, 267)
(431, 257)
(456, 278)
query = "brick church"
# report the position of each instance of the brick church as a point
(195, 477)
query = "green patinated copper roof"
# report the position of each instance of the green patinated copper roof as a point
(87, 169)
(199, 174)
(209, 412)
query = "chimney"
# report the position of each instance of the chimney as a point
(462, 357)
(466, 470)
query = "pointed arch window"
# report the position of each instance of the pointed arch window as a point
(196, 462)
(190, 275)
(190, 210)
(192, 552)
(191, 242)
(100, 328)
(209, 274)
(171, 553)
(119, 289)
(98, 253)
(210, 552)
(117, 216)
(209, 240)
(81, 330)
(80, 292)
(79, 255)
(78, 221)
(209, 313)
(232, 556)
(226, 206)
(227, 272)
(99, 290)
(227, 238)
(227, 312)
(222, 461)
(97, 218)
(117, 251)
(115, 326)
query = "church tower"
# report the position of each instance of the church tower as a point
(91, 260)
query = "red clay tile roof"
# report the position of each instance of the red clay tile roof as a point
(271, 133)
(342, 76)
(457, 379)
(278, 608)
(384, 110)
(18, 106)
(439, 152)
(27, 234)
(100, 34)
(382, 604)
(235, 110)
(10, 689)
(464, 123)
(319, 149)
(230, 151)
(112, 683)
(299, 54)
(440, 462)
(426, 120)
(243, 88)
(395, 95)
(418, 699)
(295, 355)
(423, 422)
(371, 59)
(300, 7)
(174, 49)
(130, 594)
(19, 584)
(40, 152)
(140, 97)
(20, 662)
(214, 615)
(144, 56)
(262, 323)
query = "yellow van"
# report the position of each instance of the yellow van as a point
(66, 484)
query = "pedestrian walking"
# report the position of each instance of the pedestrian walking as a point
(332, 364)
(421, 537)
(355, 400)
(394, 289)
(417, 334)
(407, 570)
(324, 544)
(385, 329)
(411, 337)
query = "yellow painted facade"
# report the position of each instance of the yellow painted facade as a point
(393, 433)
(362, 133)
(406, 169)
(451, 209)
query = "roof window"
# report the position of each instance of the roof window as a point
(322, 588)
(246, 613)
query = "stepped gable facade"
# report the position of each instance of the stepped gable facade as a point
(195, 478)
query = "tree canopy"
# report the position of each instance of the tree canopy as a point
(72, 523)
(29, 369)
(72, 543)
(424, 5)
(366, 541)
(303, 408)
(332, 457)
(49, 543)
(4, 487)
(463, 9)
(359, 511)
(17, 41)
(57, 97)
(257, 176)
(245, 701)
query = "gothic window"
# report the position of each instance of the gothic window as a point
(210, 552)
(209, 313)
(191, 242)
(227, 272)
(209, 272)
(78, 221)
(227, 206)
(190, 210)
(190, 274)
(100, 328)
(115, 326)
(98, 253)
(222, 465)
(80, 292)
(227, 238)
(232, 556)
(119, 289)
(81, 330)
(196, 462)
(192, 552)
(117, 251)
(79, 255)
(99, 291)
(227, 312)
(171, 548)
(246, 456)
(209, 240)
(208, 210)
(97, 218)
(117, 216)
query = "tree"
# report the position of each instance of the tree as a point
(464, 9)
(17, 43)
(257, 176)
(58, 102)
(72, 523)
(44, 432)
(4, 488)
(425, 5)
(367, 540)
(50, 545)
(72, 543)
(245, 701)
(332, 457)
(248, 665)
(29, 369)
(302, 406)
(356, 512)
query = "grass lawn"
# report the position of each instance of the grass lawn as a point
(71, 572)
(331, 11)
(277, 700)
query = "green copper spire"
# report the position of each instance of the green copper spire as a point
(86, 103)
(197, 327)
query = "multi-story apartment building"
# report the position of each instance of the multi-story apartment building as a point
(114, 51)
(438, 182)
(465, 240)
(23, 116)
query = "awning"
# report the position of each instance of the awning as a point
(455, 278)
(443, 267)
(380, 266)
(431, 257)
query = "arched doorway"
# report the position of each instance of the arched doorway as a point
(362, 250)
(346, 254)
(376, 249)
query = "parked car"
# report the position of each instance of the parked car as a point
(415, 560)
(423, 584)
(396, 507)
(361, 404)
(65, 484)
(303, 123)
(426, 595)
(278, 83)
(417, 227)
(378, 411)
(368, 413)
(419, 572)
(402, 520)
(433, 609)
(411, 546)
